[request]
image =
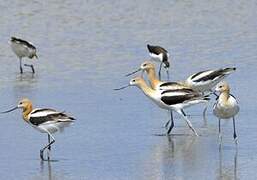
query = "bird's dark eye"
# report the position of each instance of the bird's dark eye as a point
(20, 103)
(134, 80)
(220, 86)
(144, 65)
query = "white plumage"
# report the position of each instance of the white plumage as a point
(206, 80)
(23, 49)
(226, 106)
(226, 110)
(44, 120)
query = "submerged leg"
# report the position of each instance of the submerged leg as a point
(21, 70)
(166, 124)
(181, 112)
(47, 146)
(31, 66)
(234, 126)
(171, 123)
(160, 68)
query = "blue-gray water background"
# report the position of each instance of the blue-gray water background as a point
(85, 48)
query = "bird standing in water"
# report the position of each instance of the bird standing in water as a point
(44, 120)
(176, 99)
(22, 49)
(226, 107)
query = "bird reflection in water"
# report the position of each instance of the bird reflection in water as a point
(229, 172)
(48, 172)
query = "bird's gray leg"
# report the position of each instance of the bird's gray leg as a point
(21, 70)
(234, 126)
(160, 68)
(214, 93)
(31, 66)
(47, 146)
(171, 123)
(166, 124)
(181, 112)
(204, 115)
(220, 136)
(49, 142)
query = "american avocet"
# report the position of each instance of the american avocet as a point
(22, 49)
(160, 54)
(176, 99)
(44, 120)
(203, 81)
(156, 84)
(226, 106)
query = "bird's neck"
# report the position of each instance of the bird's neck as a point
(26, 111)
(146, 89)
(224, 96)
(153, 78)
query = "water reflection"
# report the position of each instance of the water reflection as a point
(171, 157)
(25, 84)
(47, 172)
(227, 172)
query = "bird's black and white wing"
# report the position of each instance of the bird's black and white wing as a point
(206, 80)
(211, 75)
(172, 86)
(40, 116)
(22, 42)
(158, 52)
(173, 97)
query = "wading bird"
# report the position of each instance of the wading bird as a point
(44, 120)
(226, 106)
(158, 85)
(22, 49)
(161, 55)
(176, 99)
(202, 82)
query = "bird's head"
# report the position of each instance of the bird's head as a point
(136, 81)
(222, 87)
(145, 66)
(24, 103)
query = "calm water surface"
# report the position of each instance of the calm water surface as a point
(85, 48)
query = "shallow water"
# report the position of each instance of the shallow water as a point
(85, 48)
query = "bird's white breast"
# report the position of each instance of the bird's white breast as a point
(226, 110)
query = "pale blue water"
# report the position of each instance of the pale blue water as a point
(85, 48)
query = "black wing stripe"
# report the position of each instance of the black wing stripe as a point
(156, 49)
(51, 117)
(211, 76)
(185, 90)
(197, 74)
(43, 109)
(23, 42)
(39, 120)
(169, 84)
(171, 100)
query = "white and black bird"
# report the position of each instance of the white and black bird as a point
(176, 99)
(44, 120)
(158, 85)
(205, 81)
(22, 49)
(226, 106)
(161, 55)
